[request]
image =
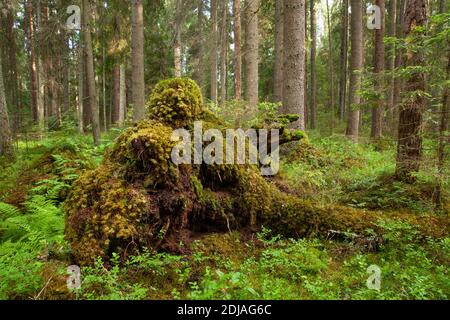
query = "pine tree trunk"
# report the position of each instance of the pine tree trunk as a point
(224, 54)
(42, 76)
(123, 95)
(409, 151)
(213, 50)
(390, 65)
(93, 98)
(6, 147)
(252, 54)
(294, 65)
(278, 65)
(330, 68)
(81, 89)
(177, 46)
(116, 94)
(344, 61)
(237, 50)
(378, 109)
(313, 81)
(356, 65)
(137, 51)
(33, 73)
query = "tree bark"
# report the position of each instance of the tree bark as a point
(252, 54)
(6, 147)
(237, 50)
(123, 96)
(409, 151)
(213, 57)
(278, 65)
(93, 98)
(344, 61)
(294, 64)
(177, 46)
(356, 65)
(81, 89)
(313, 82)
(137, 51)
(224, 54)
(33, 71)
(116, 93)
(378, 109)
(330, 68)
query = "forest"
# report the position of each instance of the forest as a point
(224, 150)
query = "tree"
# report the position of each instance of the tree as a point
(6, 148)
(390, 64)
(343, 61)
(313, 82)
(237, 50)
(409, 149)
(177, 47)
(278, 65)
(252, 54)
(90, 73)
(356, 65)
(213, 57)
(294, 60)
(33, 71)
(378, 109)
(224, 53)
(330, 67)
(137, 59)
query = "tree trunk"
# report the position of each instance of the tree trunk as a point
(237, 50)
(33, 74)
(313, 82)
(409, 151)
(6, 147)
(330, 68)
(378, 109)
(252, 54)
(398, 81)
(294, 60)
(213, 57)
(123, 95)
(137, 51)
(116, 93)
(177, 46)
(93, 99)
(278, 65)
(81, 89)
(356, 65)
(344, 61)
(443, 134)
(42, 76)
(390, 65)
(224, 54)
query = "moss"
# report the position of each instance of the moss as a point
(176, 102)
(103, 211)
(145, 150)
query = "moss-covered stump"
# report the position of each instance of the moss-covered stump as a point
(138, 198)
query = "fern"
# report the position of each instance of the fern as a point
(43, 221)
(7, 211)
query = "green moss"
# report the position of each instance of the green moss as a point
(145, 150)
(176, 102)
(102, 211)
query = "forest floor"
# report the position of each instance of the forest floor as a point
(34, 255)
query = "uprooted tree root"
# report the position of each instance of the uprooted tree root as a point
(138, 198)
